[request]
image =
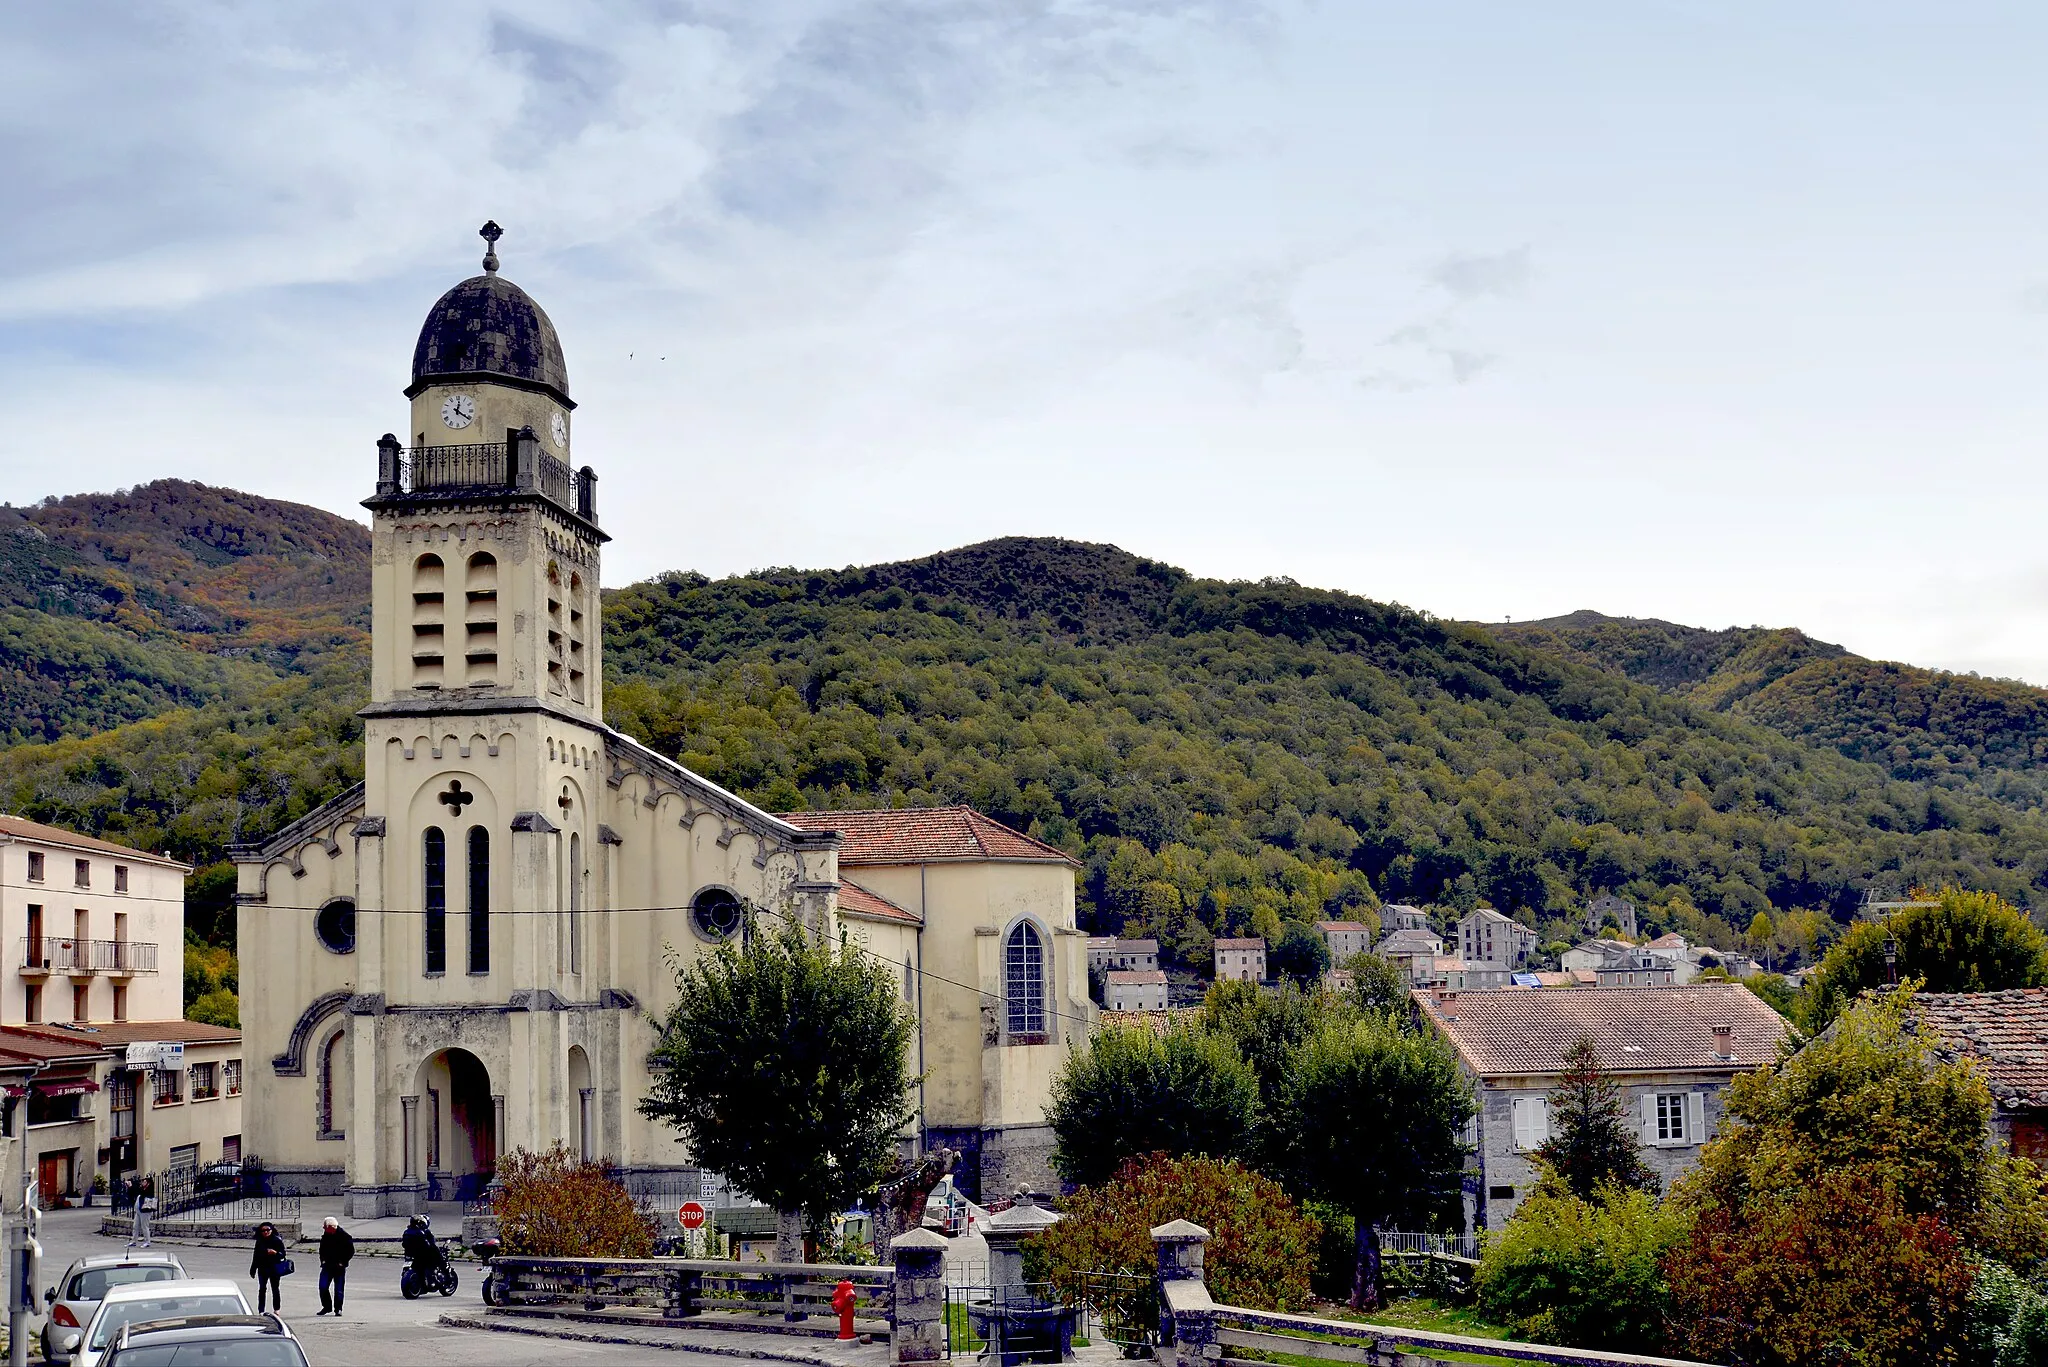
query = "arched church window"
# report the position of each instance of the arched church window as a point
(575, 902)
(333, 1078)
(479, 900)
(434, 849)
(717, 914)
(335, 926)
(480, 623)
(1024, 984)
(429, 621)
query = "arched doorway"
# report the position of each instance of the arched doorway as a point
(459, 1143)
(582, 1106)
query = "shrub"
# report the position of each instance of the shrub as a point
(1585, 1274)
(2007, 1319)
(550, 1205)
(1261, 1245)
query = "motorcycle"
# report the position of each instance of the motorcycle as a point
(412, 1284)
(487, 1251)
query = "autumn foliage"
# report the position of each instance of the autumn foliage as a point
(551, 1205)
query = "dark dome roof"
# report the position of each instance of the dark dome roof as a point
(489, 328)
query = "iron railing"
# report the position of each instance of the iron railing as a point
(1443, 1245)
(490, 465)
(1008, 1325)
(49, 954)
(218, 1193)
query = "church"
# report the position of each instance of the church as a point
(471, 951)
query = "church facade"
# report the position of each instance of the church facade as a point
(470, 951)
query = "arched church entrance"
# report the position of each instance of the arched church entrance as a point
(460, 1124)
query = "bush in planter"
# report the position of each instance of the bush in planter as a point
(551, 1205)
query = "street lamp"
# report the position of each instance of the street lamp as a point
(1891, 960)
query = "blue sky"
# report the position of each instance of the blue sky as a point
(1725, 313)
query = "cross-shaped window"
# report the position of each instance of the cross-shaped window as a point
(456, 798)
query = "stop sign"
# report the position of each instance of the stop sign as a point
(691, 1213)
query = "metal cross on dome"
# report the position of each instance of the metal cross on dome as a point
(456, 798)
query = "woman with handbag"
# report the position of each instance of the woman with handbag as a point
(267, 1264)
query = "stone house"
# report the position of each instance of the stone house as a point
(1399, 916)
(1607, 907)
(1415, 952)
(1345, 938)
(1672, 1050)
(1487, 939)
(2006, 1035)
(1241, 960)
(1137, 989)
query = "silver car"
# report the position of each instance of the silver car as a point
(83, 1286)
(146, 1304)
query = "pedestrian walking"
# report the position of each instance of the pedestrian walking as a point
(267, 1264)
(144, 1211)
(336, 1248)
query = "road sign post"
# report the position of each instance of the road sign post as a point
(691, 1215)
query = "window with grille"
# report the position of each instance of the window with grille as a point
(436, 887)
(169, 1086)
(231, 1076)
(205, 1081)
(1024, 985)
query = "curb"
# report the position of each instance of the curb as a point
(555, 1330)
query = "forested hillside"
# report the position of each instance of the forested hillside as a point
(1223, 757)
(1922, 725)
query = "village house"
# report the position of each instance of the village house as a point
(1415, 951)
(1136, 989)
(2005, 1034)
(1346, 939)
(1241, 960)
(1107, 953)
(1672, 1050)
(1607, 909)
(1488, 940)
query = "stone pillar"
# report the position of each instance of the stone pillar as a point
(586, 1124)
(409, 1136)
(917, 1326)
(498, 1124)
(1006, 1232)
(1187, 1317)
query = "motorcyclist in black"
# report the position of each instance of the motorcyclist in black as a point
(420, 1246)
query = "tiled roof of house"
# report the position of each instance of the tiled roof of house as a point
(1412, 942)
(121, 1034)
(19, 828)
(21, 1047)
(2004, 1033)
(1343, 927)
(1138, 977)
(1673, 940)
(1138, 946)
(1633, 1029)
(1572, 979)
(856, 900)
(1241, 944)
(926, 835)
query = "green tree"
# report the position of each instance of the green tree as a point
(1369, 1119)
(1965, 942)
(1584, 1273)
(1302, 955)
(1131, 1092)
(1376, 985)
(1592, 1143)
(784, 1064)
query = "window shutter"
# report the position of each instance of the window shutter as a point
(1540, 1121)
(1522, 1140)
(1649, 1118)
(1695, 1118)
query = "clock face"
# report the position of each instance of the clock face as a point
(559, 425)
(458, 410)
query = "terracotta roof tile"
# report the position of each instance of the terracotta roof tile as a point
(121, 1034)
(926, 835)
(22, 829)
(2004, 1033)
(1342, 927)
(1241, 944)
(1138, 977)
(1138, 946)
(1633, 1029)
(856, 900)
(27, 1046)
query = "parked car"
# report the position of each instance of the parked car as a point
(78, 1292)
(215, 1340)
(225, 1175)
(147, 1302)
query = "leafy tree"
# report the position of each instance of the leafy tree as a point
(784, 1063)
(1583, 1272)
(1302, 955)
(1131, 1092)
(551, 1205)
(1376, 985)
(1261, 1245)
(1592, 1143)
(1775, 993)
(1369, 1119)
(2007, 1319)
(1966, 942)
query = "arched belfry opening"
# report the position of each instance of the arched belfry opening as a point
(453, 1132)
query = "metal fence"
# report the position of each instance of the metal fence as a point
(1039, 1321)
(229, 1193)
(1446, 1245)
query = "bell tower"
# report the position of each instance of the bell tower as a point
(485, 577)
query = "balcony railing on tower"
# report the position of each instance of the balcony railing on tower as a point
(515, 465)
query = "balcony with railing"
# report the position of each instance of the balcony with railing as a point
(516, 466)
(119, 958)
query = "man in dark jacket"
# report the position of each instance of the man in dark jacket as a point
(420, 1246)
(336, 1248)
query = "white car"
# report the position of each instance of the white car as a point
(144, 1302)
(77, 1293)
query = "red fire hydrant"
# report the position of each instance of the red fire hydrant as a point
(842, 1301)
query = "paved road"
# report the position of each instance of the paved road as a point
(381, 1328)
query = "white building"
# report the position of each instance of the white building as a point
(1137, 989)
(1413, 951)
(1241, 960)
